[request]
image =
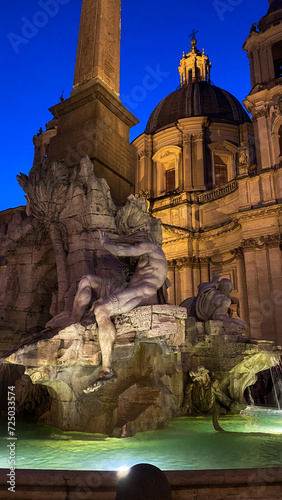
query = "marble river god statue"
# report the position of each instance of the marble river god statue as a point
(149, 277)
(212, 302)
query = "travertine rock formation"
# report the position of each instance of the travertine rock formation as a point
(148, 391)
(153, 350)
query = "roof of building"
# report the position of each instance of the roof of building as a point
(197, 99)
(274, 14)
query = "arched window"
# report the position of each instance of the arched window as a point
(166, 170)
(220, 171)
(280, 140)
(277, 59)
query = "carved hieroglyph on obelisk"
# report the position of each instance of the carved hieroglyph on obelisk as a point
(98, 49)
(93, 121)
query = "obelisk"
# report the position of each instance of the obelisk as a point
(98, 49)
(93, 121)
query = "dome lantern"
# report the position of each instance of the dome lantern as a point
(194, 66)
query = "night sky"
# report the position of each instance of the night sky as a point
(38, 62)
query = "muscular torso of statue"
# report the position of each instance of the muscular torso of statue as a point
(151, 267)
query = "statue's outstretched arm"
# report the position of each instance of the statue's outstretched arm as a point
(122, 250)
(221, 312)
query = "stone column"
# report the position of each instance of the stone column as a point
(275, 267)
(255, 316)
(264, 286)
(185, 274)
(264, 294)
(144, 171)
(205, 275)
(196, 275)
(251, 58)
(270, 61)
(187, 162)
(199, 164)
(257, 71)
(242, 286)
(263, 139)
(264, 55)
(178, 281)
(179, 171)
(187, 279)
(171, 277)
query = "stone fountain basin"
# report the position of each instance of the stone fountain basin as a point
(155, 348)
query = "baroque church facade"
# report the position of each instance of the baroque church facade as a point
(213, 176)
(210, 172)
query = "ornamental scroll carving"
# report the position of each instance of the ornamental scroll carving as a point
(185, 262)
(187, 137)
(261, 113)
(268, 241)
(144, 153)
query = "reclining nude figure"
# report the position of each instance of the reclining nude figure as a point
(149, 277)
(212, 302)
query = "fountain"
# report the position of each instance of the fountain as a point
(169, 368)
(173, 365)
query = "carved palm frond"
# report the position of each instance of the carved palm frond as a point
(46, 187)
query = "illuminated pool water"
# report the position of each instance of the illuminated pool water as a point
(253, 439)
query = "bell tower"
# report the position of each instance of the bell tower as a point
(93, 121)
(264, 102)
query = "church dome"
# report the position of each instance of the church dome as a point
(197, 99)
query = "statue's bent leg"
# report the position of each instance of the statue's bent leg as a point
(107, 333)
(119, 303)
(107, 336)
(83, 296)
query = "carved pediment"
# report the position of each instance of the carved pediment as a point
(224, 146)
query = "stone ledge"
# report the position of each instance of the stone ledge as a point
(185, 485)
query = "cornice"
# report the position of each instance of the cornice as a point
(262, 97)
(264, 37)
(229, 227)
(188, 262)
(255, 213)
(238, 219)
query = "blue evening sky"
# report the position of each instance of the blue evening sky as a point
(38, 57)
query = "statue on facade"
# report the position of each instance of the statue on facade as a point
(243, 156)
(213, 302)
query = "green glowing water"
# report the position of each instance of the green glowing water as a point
(253, 439)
